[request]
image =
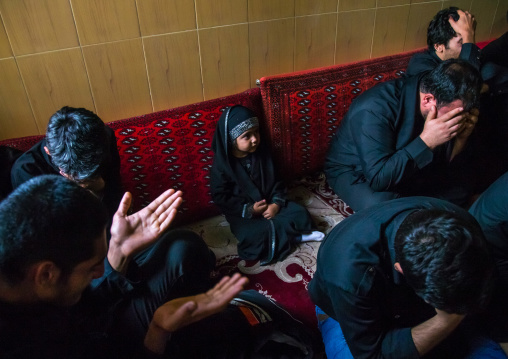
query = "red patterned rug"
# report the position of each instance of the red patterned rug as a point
(290, 293)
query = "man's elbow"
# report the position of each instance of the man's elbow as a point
(380, 184)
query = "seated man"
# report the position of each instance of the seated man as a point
(407, 137)
(400, 280)
(53, 246)
(80, 147)
(450, 35)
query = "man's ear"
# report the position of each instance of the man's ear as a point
(427, 100)
(440, 48)
(398, 268)
(47, 151)
(45, 277)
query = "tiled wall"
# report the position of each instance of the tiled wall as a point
(122, 58)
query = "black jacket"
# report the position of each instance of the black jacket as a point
(356, 284)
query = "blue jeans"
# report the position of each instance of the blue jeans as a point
(335, 344)
(479, 346)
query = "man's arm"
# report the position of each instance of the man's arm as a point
(180, 312)
(465, 27)
(433, 331)
(367, 327)
(383, 165)
(131, 234)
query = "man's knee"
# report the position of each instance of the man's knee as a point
(188, 248)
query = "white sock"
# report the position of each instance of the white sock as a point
(315, 236)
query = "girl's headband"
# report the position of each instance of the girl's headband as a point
(242, 127)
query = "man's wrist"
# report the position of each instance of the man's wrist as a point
(116, 258)
(427, 142)
(156, 339)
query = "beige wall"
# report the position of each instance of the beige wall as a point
(122, 58)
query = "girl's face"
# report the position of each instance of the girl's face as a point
(247, 142)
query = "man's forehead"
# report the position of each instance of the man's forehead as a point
(450, 106)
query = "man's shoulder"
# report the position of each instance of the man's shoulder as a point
(357, 236)
(30, 164)
(422, 62)
(381, 100)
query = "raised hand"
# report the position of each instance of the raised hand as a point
(438, 130)
(470, 122)
(180, 312)
(464, 26)
(131, 234)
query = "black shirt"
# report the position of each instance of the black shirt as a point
(356, 284)
(428, 60)
(36, 162)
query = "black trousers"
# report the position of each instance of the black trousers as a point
(178, 265)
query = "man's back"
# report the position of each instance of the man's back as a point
(356, 282)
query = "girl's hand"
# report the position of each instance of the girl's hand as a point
(259, 207)
(271, 211)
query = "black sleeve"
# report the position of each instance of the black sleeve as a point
(227, 196)
(420, 63)
(29, 165)
(366, 329)
(471, 53)
(385, 167)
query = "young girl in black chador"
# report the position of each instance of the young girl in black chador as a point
(244, 186)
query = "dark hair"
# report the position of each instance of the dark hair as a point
(48, 218)
(451, 80)
(76, 140)
(445, 260)
(440, 31)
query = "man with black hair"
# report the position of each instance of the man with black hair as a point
(65, 294)
(402, 279)
(407, 137)
(78, 146)
(450, 35)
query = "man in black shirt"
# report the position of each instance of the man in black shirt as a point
(407, 137)
(400, 280)
(65, 294)
(78, 146)
(450, 35)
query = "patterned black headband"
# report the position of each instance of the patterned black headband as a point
(242, 127)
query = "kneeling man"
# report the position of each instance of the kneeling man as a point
(401, 280)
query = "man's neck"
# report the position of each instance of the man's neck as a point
(18, 294)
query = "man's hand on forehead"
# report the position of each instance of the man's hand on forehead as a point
(464, 26)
